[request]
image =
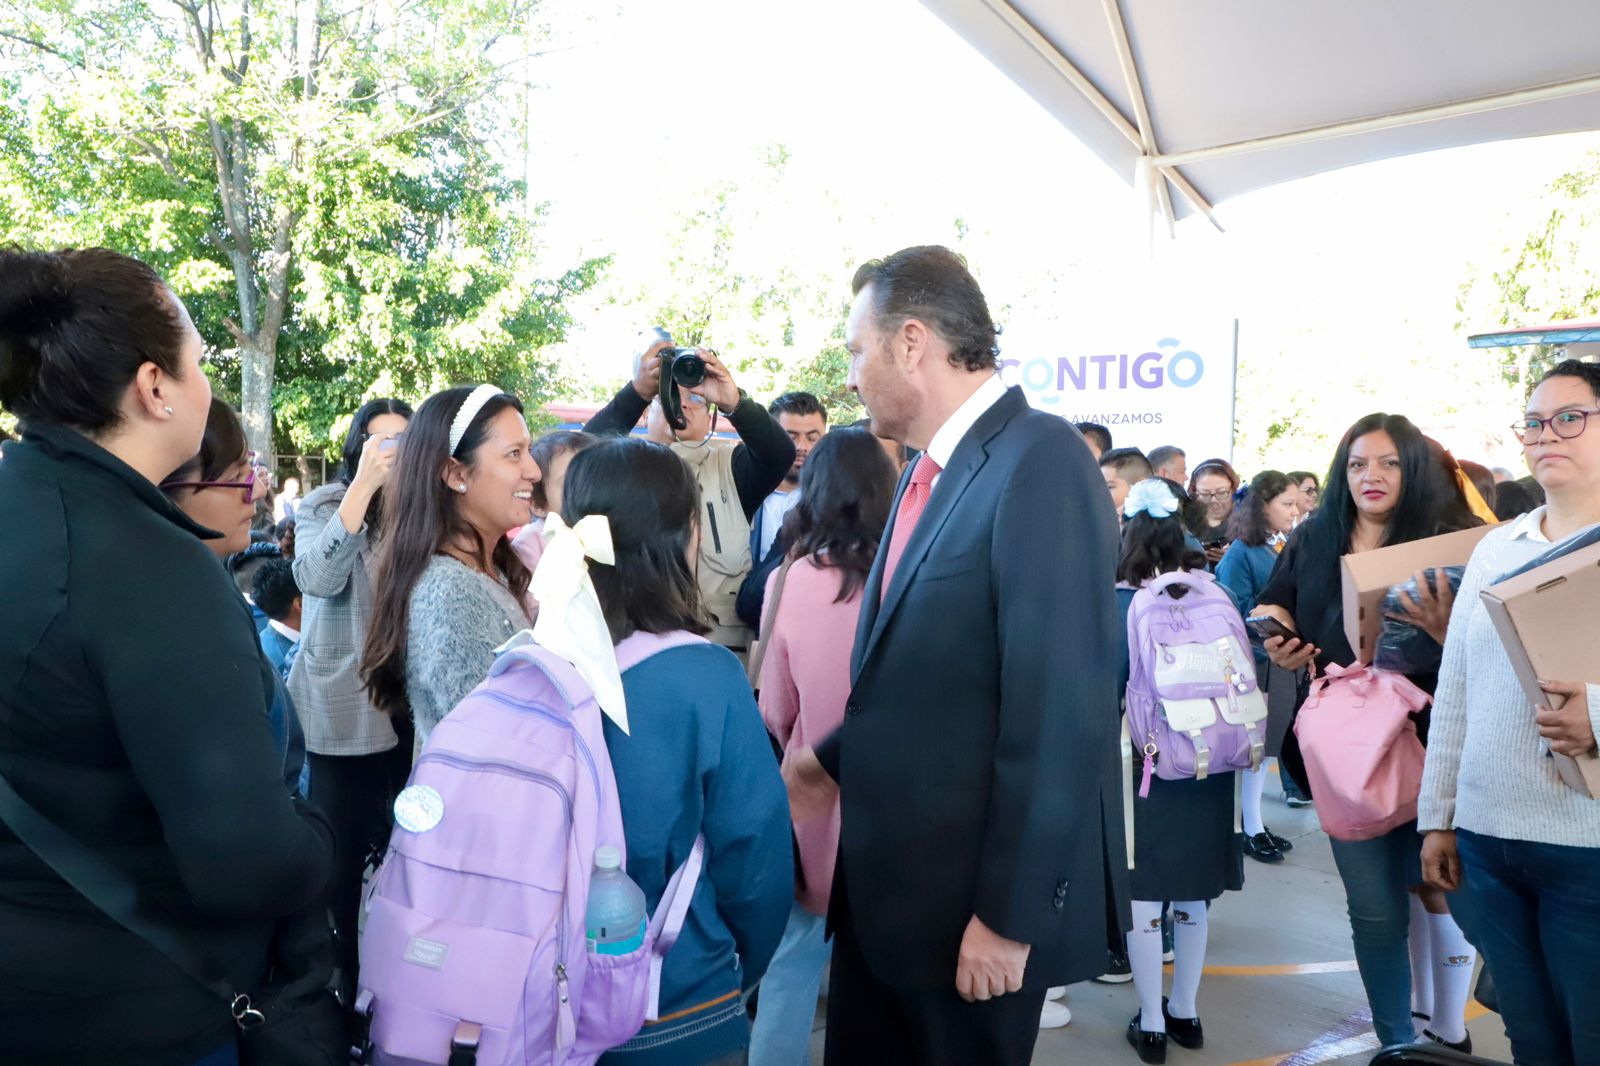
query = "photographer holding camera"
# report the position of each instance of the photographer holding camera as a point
(733, 480)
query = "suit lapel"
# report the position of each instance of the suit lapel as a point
(970, 456)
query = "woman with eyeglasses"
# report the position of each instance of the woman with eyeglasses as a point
(359, 757)
(218, 490)
(133, 702)
(1310, 489)
(1502, 828)
(1211, 486)
(1396, 487)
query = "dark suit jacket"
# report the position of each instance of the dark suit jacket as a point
(978, 756)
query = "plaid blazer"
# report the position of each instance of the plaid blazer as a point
(330, 566)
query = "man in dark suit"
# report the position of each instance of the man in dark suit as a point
(978, 753)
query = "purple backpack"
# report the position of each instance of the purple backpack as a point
(1193, 705)
(474, 945)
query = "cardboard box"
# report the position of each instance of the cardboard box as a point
(1368, 576)
(1547, 621)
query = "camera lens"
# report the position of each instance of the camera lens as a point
(688, 369)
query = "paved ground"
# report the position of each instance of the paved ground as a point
(1281, 984)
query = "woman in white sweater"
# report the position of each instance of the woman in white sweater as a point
(1522, 847)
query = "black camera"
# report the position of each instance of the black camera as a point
(679, 366)
(683, 366)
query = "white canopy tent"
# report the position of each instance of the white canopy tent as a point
(1224, 97)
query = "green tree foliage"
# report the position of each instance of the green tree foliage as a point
(318, 181)
(1553, 275)
(736, 279)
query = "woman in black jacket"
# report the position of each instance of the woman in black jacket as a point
(133, 697)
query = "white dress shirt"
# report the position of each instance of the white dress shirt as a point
(942, 448)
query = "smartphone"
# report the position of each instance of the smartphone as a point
(1266, 627)
(389, 444)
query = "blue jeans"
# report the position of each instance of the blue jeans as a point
(782, 1032)
(1534, 912)
(1377, 876)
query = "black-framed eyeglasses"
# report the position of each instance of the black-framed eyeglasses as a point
(1213, 497)
(254, 489)
(1564, 424)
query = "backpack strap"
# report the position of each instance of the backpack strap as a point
(667, 922)
(641, 646)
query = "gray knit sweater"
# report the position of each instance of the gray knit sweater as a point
(1487, 770)
(458, 618)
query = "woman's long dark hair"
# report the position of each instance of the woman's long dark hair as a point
(846, 488)
(1154, 546)
(1249, 521)
(424, 519)
(1431, 501)
(651, 499)
(356, 440)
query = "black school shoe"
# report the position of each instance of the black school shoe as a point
(1431, 1037)
(1281, 843)
(1118, 971)
(1185, 1032)
(1261, 848)
(1152, 1047)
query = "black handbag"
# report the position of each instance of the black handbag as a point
(293, 1019)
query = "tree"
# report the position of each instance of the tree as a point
(733, 277)
(1553, 275)
(317, 180)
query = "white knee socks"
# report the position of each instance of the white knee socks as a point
(1189, 944)
(1419, 940)
(1251, 786)
(1453, 959)
(1144, 959)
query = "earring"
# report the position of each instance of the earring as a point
(461, 487)
(167, 409)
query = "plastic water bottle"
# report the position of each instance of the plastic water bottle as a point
(616, 918)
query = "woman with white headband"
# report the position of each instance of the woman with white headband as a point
(448, 589)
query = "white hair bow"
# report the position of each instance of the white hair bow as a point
(571, 623)
(1152, 496)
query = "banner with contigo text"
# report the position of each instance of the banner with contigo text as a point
(1171, 383)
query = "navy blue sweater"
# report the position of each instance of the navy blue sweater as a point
(698, 760)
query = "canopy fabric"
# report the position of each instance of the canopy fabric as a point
(1228, 96)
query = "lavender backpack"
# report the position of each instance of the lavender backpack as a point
(474, 949)
(1192, 702)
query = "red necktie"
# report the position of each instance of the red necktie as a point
(912, 504)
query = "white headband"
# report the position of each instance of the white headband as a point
(469, 410)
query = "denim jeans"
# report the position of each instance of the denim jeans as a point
(782, 1032)
(1533, 910)
(1377, 875)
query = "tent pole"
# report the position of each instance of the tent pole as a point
(1413, 117)
(1141, 108)
(1119, 122)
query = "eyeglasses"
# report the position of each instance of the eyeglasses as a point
(1213, 497)
(254, 489)
(1565, 424)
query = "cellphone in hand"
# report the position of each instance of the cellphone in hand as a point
(1266, 627)
(388, 444)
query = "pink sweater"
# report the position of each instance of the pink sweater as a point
(805, 681)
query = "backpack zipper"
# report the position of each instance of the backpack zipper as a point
(542, 712)
(462, 762)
